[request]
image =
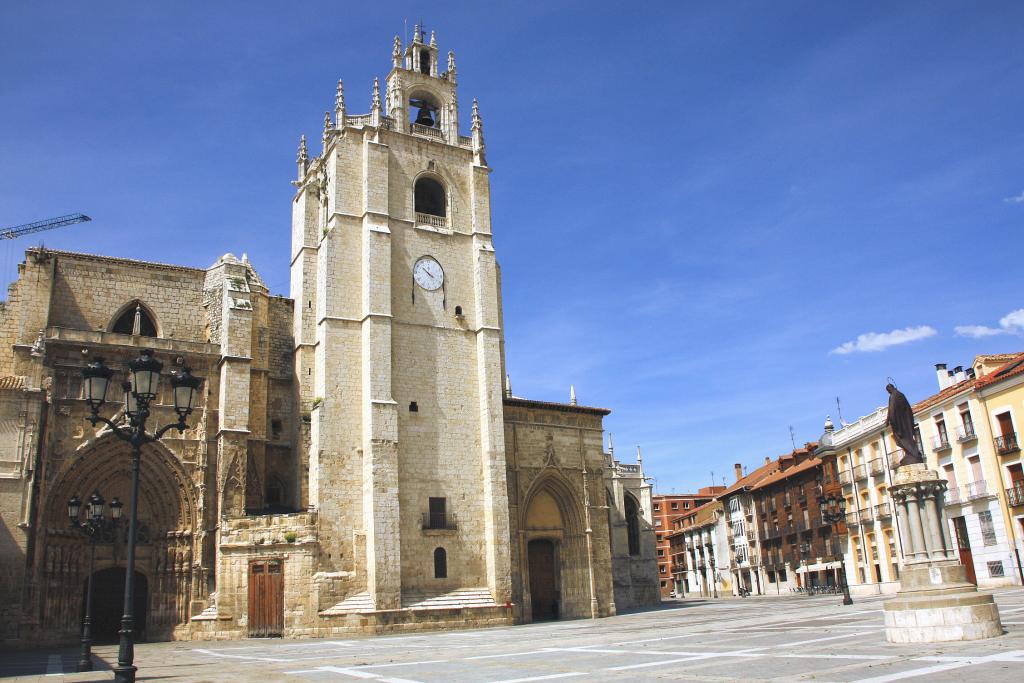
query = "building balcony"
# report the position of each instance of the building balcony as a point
(801, 499)
(426, 131)
(852, 519)
(845, 478)
(894, 458)
(860, 472)
(1007, 443)
(1015, 494)
(940, 443)
(883, 511)
(975, 490)
(431, 220)
(439, 520)
(966, 433)
(866, 516)
(876, 466)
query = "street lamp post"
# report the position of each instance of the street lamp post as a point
(833, 511)
(138, 393)
(94, 525)
(714, 573)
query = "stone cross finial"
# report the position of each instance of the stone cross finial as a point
(396, 53)
(433, 39)
(339, 105)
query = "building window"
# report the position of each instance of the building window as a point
(657, 507)
(662, 568)
(675, 506)
(430, 197)
(633, 525)
(135, 320)
(686, 505)
(988, 532)
(440, 563)
(966, 420)
(995, 569)
(438, 517)
(661, 552)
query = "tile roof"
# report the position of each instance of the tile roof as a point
(1014, 367)
(752, 478)
(775, 477)
(948, 392)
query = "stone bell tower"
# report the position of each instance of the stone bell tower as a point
(399, 343)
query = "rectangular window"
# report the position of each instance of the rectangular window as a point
(437, 517)
(686, 505)
(657, 507)
(966, 421)
(988, 532)
(675, 506)
(995, 569)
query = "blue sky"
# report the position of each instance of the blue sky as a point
(694, 204)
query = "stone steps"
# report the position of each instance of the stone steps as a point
(464, 597)
(360, 602)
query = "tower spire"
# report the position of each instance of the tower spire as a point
(339, 106)
(396, 53)
(639, 457)
(451, 65)
(508, 386)
(477, 130)
(611, 445)
(327, 129)
(375, 104)
(302, 158)
(433, 39)
(572, 394)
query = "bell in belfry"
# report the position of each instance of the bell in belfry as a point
(425, 116)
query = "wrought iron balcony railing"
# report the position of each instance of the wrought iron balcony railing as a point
(883, 511)
(1015, 494)
(940, 443)
(1007, 443)
(966, 433)
(439, 520)
(877, 466)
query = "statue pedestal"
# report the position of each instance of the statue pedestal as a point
(936, 602)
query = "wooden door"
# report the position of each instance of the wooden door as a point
(543, 591)
(266, 599)
(963, 544)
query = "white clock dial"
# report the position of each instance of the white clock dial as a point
(428, 274)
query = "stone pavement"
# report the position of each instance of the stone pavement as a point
(768, 638)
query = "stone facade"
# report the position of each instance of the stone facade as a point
(354, 439)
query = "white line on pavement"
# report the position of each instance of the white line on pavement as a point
(510, 654)
(540, 678)
(250, 658)
(947, 664)
(354, 673)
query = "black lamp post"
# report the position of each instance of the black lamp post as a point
(833, 511)
(94, 525)
(145, 377)
(714, 572)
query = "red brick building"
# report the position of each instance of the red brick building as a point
(667, 509)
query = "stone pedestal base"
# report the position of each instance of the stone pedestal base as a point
(937, 604)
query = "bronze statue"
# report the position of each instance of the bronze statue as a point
(901, 420)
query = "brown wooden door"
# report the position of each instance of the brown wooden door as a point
(963, 544)
(543, 591)
(266, 599)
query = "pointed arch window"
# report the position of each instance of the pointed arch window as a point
(135, 320)
(633, 525)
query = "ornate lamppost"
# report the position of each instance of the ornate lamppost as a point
(833, 511)
(138, 393)
(94, 525)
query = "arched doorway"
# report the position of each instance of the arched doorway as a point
(108, 604)
(543, 579)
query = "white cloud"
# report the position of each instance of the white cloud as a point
(879, 341)
(1019, 199)
(1011, 323)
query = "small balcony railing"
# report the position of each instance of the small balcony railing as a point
(439, 520)
(845, 478)
(894, 458)
(426, 131)
(966, 433)
(860, 472)
(953, 496)
(974, 490)
(801, 499)
(940, 443)
(1007, 443)
(1015, 494)
(876, 466)
(865, 516)
(852, 519)
(883, 511)
(431, 220)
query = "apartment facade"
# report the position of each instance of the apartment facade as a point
(666, 509)
(697, 545)
(742, 530)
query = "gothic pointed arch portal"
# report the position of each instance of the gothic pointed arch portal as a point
(168, 554)
(554, 552)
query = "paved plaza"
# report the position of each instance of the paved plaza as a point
(766, 638)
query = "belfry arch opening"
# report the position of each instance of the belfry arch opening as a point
(135, 319)
(427, 110)
(429, 195)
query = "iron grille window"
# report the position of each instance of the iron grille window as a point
(995, 569)
(988, 532)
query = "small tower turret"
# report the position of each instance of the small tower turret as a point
(477, 130)
(328, 127)
(302, 158)
(396, 53)
(339, 106)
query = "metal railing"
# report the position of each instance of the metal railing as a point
(1007, 443)
(940, 442)
(894, 458)
(852, 519)
(860, 472)
(1015, 494)
(966, 433)
(434, 221)
(876, 466)
(845, 478)
(974, 490)
(865, 516)
(439, 520)
(953, 496)
(883, 511)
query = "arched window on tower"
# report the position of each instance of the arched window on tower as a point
(135, 320)
(633, 524)
(430, 197)
(440, 563)
(425, 62)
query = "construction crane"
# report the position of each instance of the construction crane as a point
(40, 226)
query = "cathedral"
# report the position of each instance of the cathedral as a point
(357, 461)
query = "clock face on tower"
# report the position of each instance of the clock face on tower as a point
(428, 273)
